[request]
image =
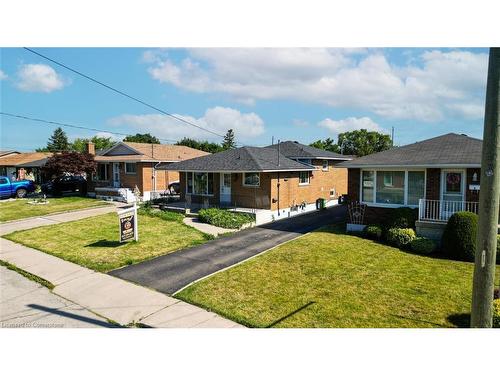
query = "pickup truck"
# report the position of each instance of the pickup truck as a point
(17, 189)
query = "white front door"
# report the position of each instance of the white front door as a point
(225, 188)
(116, 175)
(452, 192)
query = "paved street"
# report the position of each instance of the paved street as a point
(171, 272)
(27, 304)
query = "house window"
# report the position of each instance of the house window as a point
(251, 179)
(200, 183)
(392, 188)
(325, 165)
(394, 191)
(333, 193)
(130, 168)
(367, 186)
(102, 172)
(304, 178)
(416, 186)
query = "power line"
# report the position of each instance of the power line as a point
(122, 93)
(71, 125)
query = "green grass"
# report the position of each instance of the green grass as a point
(94, 242)
(330, 279)
(224, 218)
(21, 209)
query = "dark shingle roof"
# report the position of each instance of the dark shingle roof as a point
(450, 149)
(297, 150)
(244, 159)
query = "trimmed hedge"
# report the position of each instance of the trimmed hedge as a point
(421, 245)
(373, 232)
(459, 236)
(496, 313)
(224, 219)
(401, 237)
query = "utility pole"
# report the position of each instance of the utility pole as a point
(484, 269)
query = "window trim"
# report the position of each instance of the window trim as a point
(126, 163)
(106, 177)
(308, 178)
(247, 185)
(327, 165)
(390, 205)
(207, 194)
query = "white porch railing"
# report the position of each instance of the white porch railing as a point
(439, 210)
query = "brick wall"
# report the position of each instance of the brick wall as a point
(470, 195)
(433, 185)
(354, 175)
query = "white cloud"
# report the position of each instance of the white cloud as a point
(433, 85)
(350, 124)
(39, 78)
(217, 119)
(2, 75)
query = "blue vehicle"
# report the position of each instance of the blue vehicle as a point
(17, 189)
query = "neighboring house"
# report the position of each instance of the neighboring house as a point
(273, 182)
(438, 176)
(127, 165)
(23, 165)
(8, 152)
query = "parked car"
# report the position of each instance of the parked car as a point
(174, 187)
(17, 189)
(65, 184)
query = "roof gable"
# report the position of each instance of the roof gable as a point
(121, 148)
(446, 150)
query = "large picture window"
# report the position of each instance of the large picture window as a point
(199, 183)
(102, 172)
(392, 188)
(251, 179)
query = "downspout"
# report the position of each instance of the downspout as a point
(154, 175)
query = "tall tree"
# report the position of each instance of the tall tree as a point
(357, 142)
(206, 146)
(142, 138)
(229, 141)
(486, 246)
(327, 145)
(101, 143)
(71, 162)
(58, 141)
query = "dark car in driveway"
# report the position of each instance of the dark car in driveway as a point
(18, 189)
(66, 184)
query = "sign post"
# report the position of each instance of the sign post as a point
(128, 224)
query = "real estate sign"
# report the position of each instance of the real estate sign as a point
(128, 224)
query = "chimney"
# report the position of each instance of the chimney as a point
(90, 148)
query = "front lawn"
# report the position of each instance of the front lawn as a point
(21, 209)
(330, 279)
(93, 242)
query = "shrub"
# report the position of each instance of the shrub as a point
(403, 217)
(459, 236)
(164, 215)
(373, 231)
(496, 293)
(421, 245)
(223, 218)
(496, 313)
(400, 237)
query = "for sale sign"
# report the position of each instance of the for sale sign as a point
(128, 224)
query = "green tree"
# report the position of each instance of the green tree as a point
(101, 143)
(357, 142)
(142, 138)
(206, 146)
(229, 141)
(58, 141)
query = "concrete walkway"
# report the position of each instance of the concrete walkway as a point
(206, 228)
(171, 272)
(56, 218)
(27, 304)
(117, 300)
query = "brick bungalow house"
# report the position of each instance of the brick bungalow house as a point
(23, 165)
(273, 182)
(438, 176)
(127, 165)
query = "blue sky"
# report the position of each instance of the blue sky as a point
(299, 94)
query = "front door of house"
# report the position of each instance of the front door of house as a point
(225, 188)
(116, 175)
(452, 192)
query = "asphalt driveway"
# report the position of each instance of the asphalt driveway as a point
(171, 272)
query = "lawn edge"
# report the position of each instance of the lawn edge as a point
(28, 275)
